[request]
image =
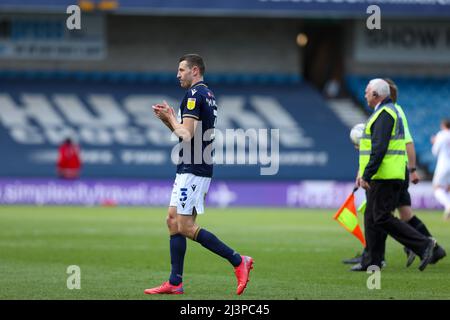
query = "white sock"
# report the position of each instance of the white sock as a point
(443, 197)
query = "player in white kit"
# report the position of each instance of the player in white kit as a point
(441, 178)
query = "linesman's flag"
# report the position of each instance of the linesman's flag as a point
(362, 207)
(347, 217)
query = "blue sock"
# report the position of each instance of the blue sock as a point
(177, 251)
(212, 243)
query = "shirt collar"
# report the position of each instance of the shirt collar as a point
(385, 101)
(198, 84)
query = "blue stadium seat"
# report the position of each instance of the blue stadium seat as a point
(151, 77)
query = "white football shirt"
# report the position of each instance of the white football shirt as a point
(441, 149)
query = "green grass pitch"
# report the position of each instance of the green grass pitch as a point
(122, 251)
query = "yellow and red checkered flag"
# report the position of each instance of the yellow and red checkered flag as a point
(347, 217)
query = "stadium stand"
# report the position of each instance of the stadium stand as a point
(98, 84)
(119, 106)
(149, 77)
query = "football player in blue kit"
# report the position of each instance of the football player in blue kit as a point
(198, 115)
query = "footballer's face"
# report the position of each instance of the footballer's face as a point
(184, 75)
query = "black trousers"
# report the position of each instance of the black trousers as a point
(404, 199)
(382, 199)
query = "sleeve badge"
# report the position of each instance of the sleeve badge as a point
(191, 103)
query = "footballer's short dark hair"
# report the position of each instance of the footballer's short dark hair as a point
(446, 123)
(393, 88)
(192, 60)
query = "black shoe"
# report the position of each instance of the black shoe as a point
(427, 255)
(410, 256)
(358, 267)
(356, 259)
(438, 254)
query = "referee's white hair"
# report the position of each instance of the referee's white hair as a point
(380, 87)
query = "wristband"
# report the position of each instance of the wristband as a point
(411, 170)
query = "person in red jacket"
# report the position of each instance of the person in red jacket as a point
(69, 162)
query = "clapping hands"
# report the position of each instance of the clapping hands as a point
(163, 111)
